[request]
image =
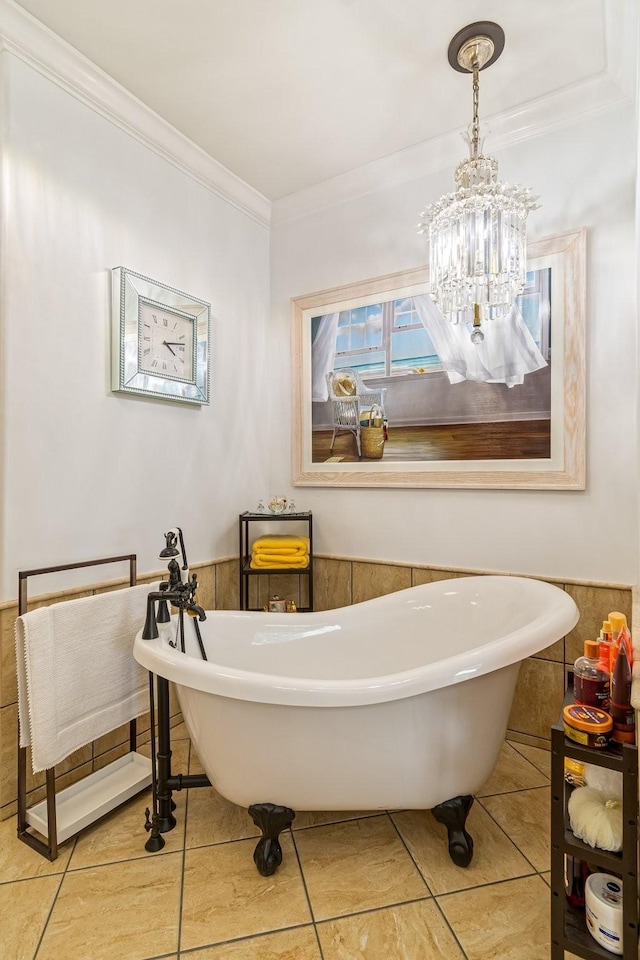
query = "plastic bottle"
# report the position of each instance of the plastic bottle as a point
(606, 636)
(617, 621)
(605, 655)
(575, 877)
(622, 713)
(619, 632)
(591, 681)
(604, 664)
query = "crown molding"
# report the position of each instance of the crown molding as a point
(614, 85)
(622, 23)
(25, 37)
(526, 122)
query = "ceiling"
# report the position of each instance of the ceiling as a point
(289, 93)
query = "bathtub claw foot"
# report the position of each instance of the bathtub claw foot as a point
(453, 814)
(271, 819)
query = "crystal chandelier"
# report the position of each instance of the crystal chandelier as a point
(477, 235)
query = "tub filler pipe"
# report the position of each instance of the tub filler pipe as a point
(179, 590)
(271, 818)
(163, 782)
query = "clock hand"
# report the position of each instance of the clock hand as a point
(168, 345)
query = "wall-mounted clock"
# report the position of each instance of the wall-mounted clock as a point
(160, 340)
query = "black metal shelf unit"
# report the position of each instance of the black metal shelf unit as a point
(568, 924)
(247, 571)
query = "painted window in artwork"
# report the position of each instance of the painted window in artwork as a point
(388, 339)
(411, 348)
(535, 307)
(360, 339)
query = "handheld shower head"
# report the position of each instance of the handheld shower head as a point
(171, 550)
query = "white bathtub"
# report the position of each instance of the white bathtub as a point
(401, 701)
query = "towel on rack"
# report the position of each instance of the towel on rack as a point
(281, 545)
(259, 562)
(77, 678)
(280, 557)
(279, 552)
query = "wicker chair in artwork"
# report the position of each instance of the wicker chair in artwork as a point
(349, 397)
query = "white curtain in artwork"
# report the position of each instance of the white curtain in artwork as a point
(507, 353)
(323, 355)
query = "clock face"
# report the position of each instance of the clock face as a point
(160, 340)
(165, 343)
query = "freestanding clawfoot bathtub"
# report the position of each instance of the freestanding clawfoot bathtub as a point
(397, 702)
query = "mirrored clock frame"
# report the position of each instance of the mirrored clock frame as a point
(134, 298)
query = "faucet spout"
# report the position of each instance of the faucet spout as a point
(195, 611)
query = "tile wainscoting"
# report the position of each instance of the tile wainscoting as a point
(337, 582)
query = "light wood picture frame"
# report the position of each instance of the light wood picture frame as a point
(564, 256)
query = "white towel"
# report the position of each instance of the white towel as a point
(77, 678)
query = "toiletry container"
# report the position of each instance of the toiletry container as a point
(589, 726)
(617, 621)
(576, 873)
(603, 904)
(606, 643)
(622, 713)
(591, 684)
(620, 630)
(574, 772)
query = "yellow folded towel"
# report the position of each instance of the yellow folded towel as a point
(279, 554)
(259, 561)
(281, 543)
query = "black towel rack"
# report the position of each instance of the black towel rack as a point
(50, 848)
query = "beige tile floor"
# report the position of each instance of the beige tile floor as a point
(352, 886)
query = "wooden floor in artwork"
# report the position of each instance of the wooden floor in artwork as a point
(510, 440)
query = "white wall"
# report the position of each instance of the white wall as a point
(87, 472)
(585, 175)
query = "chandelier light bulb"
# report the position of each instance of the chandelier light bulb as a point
(477, 234)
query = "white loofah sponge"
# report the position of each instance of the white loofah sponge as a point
(596, 818)
(606, 781)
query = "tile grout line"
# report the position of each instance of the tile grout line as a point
(55, 900)
(453, 933)
(193, 951)
(514, 744)
(510, 839)
(485, 886)
(411, 856)
(333, 823)
(433, 896)
(306, 892)
(184, 859)
(509, 793)
(385, 906)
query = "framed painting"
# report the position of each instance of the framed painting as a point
(505, 413)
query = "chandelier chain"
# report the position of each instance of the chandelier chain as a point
(475, 127)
